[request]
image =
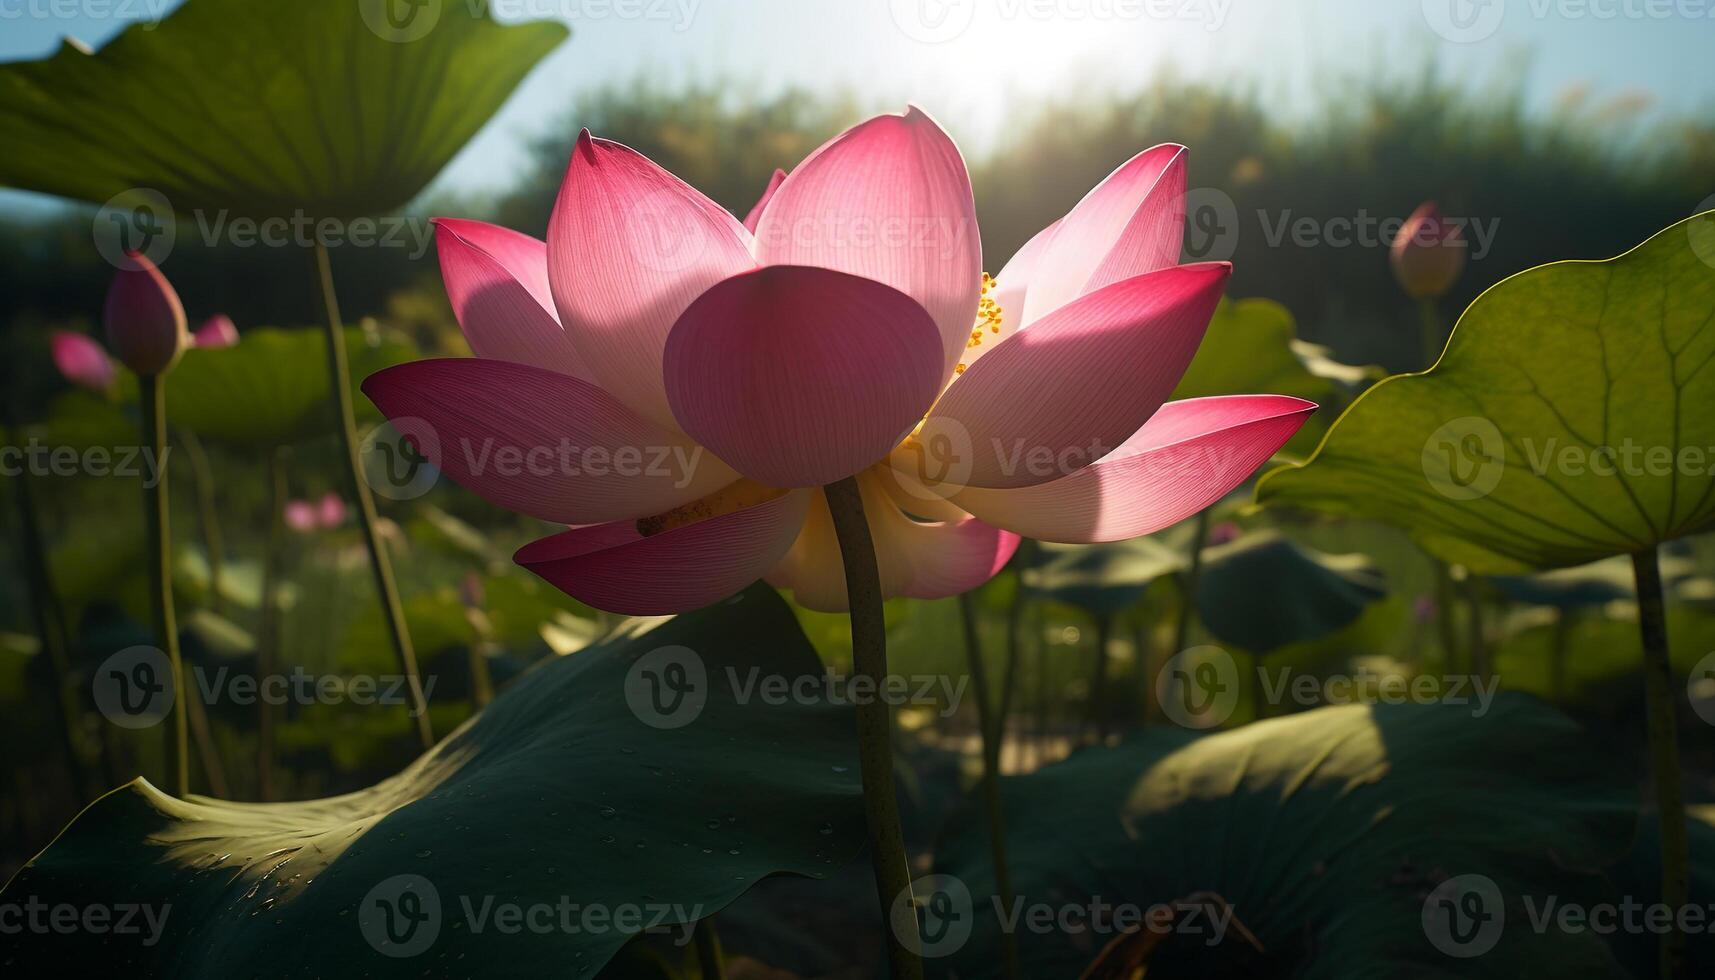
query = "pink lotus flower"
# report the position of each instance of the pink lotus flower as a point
(83, 361)
(216, 331)
(1428, 254)
(678, 385)
(305, 516)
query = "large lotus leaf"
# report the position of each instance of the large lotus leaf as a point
(558, 793)
(1102, 579)
(1325, 833)
(1262, 592)
(271, 388)
(340, 108)
(1248, 349)
(1572, 417)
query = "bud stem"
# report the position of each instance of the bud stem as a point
(152, 400)
(1659, 703)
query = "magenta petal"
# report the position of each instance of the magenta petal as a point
(755, 215)
(799, 376)
(629, 247)
(1189, 455)
(82, 360)
(1131, 224)
(890, 200)
(497, 282)
(1066, 391)
(615, 568)
(300, 516)
(216, 332)
(541, 443)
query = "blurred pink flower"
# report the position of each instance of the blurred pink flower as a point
(144, 319)
(679, 386)
(322, 514)
(1224, 533)
(82, 360)
(216, 331)
(1429, 253)
(300, 516)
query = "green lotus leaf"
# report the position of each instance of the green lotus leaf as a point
(575, 787)
(1102, 579)
(1327, 835)
(336, 108)
(1571, 418)
(1263, 592)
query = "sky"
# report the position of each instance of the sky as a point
(969, 62)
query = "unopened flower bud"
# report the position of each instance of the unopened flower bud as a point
(145, 321)
(1429, 254)
(216, 331)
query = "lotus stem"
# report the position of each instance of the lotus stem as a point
(50, 627)
(388, 590)
(993, 734)
(874, 724)
(1099, 678)
(708, 945)
(153, 402)
(1444, 615)
(1188, 601)
(268, 638)
(1429, 319)
(1480, 666)
(1659, 703)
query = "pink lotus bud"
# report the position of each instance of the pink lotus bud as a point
(216, 331)
(1429, 253)
(330, 511)
(145, 322)
(300, 516)
(1224, 532)
(82, 361)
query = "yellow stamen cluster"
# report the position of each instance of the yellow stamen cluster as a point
(988, 316)
(735, 496)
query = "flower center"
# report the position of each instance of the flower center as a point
(736, 496)
(988, 319)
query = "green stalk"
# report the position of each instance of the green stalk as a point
(993, 733)
(1444, 616)
(1480, 666)
(1099, 678)
(1188, 601)
(391, 609)
(268, 638)
(874, 724)
(153, 402)
(708, 945)
(1429, 319)
(43, 603)
(1659, 703)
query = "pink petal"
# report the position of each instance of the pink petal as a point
(217, 331)
(1075, 385)
(82, 360)
(755, 215)
(144, 319)
(1132, 223)
(800, 376)
(916, 560)
(629, 247)
(541, 443)
(613, 567)
(300, 516)
(330, 510)
(497, 282)
(890, 200)
(1189, 455)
